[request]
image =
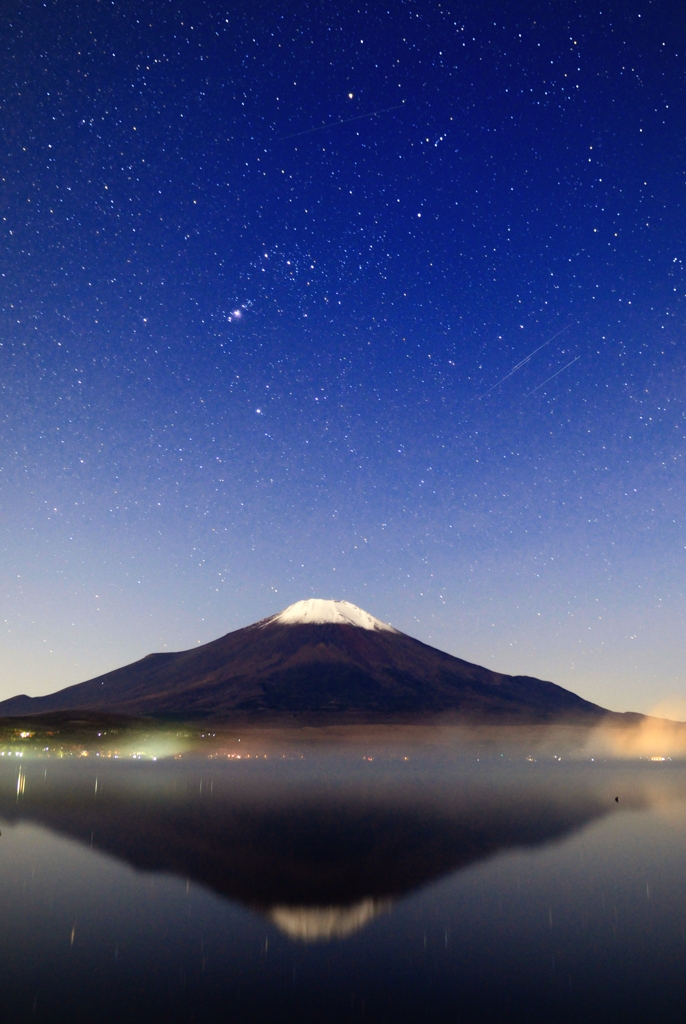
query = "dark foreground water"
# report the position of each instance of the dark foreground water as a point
(333, 889)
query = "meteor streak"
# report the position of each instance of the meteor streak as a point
(550, 378)
(347, 120)
(525, 360)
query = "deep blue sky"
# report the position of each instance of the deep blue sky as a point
(251, 337)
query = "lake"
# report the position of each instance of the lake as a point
(332, 885)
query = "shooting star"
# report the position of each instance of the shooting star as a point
(347, 120)
(550, 378)
(524, 361)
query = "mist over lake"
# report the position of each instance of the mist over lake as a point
(382, 879)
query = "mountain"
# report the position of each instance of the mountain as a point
(319, 847)
(317, 661)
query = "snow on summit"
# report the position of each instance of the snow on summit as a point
(316, 611)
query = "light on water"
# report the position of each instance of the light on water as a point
(370, 880)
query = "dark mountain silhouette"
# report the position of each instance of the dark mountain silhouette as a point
(317, 661)
(274, 835)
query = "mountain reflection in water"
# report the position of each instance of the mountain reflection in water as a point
(316, 924)
(335, 889)
(320, 847)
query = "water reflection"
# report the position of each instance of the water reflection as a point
(317, 924)
(440, 889)
(320, 847)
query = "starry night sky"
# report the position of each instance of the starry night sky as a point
(266, 271)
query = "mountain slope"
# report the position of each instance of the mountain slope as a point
(317, 660)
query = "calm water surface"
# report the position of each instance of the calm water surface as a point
(334, 889)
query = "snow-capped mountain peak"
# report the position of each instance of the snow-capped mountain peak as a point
(317, 611)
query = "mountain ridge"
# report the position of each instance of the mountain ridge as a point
(315, 661)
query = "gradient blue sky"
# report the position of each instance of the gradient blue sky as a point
(251, 338)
